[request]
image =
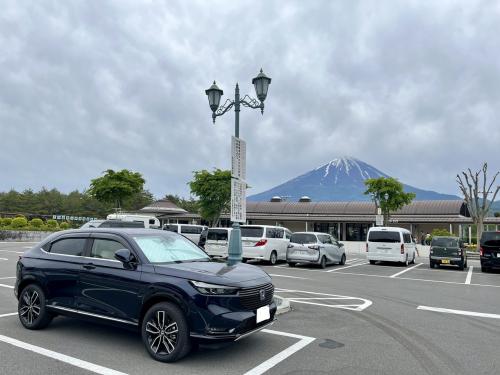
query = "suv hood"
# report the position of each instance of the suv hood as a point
(241, 275)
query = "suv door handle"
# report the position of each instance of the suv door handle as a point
(89, 266)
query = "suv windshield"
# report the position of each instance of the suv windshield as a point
(384, 236)
(490, 239)
(252, 232)
(444, 242)
(169, 248)
(303, 238)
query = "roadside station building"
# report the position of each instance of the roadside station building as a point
(349, 221)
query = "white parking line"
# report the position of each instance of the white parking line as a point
(281, 356)
(12, 251)
(61, 357)
(365, 303)
(469, 275)
(287, 276)
(8, 277)
(6, 286)
(3, 259)
(405, 270)
(361, 263)
(459, 312)
(9, 314)
(351, 260)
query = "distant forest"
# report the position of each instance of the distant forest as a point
(52, 202)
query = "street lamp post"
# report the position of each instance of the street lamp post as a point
(386, 216)
(214, 93)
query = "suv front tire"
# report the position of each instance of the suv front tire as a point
(31, 308)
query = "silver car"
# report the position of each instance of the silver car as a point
(314, 248)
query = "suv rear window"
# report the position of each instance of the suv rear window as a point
(69, 246)
(217, 235)
(384, 236)
(444, 242)
(303, 238)
(490, 239)
(252, 232)
(191, 230)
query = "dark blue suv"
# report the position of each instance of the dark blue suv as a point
(153, 280)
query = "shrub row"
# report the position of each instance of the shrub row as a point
(21, 223)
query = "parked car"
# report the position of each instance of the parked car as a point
(218, 242)
(155, 281)
(314, 248)
(191, 231)
(489, 251)
(447, 251)
(265, 242)
(390, 244)
(148, 221)
(112, 224)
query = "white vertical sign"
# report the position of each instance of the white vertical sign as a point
(238, 180)
(238, 201)
(238, 158)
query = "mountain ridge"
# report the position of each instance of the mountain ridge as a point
(341, 179)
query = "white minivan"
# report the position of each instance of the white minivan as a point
(265, 242)
(149, 221)
(390, 244)
(191, 231)
(218, 242)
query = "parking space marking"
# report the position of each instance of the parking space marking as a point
(288, 276)
(361, 263)
(12, 251)
(469, 275)
(9, 314)
(347, 305)
(405, 270)
(6, 286)
(459, 312)
(281, 356)
(61, 357)
(351, 260)
(8, 277)
(3, 259)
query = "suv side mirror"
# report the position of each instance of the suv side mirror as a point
(124, 256)
(340, 244)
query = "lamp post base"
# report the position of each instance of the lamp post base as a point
(235, 248)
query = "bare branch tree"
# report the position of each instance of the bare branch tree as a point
(478, 206)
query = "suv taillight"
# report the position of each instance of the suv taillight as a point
(402, 248)
(431, 251)
(261, 242)
(313, 247)
(481, 251)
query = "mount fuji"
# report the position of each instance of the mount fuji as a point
(341, 179)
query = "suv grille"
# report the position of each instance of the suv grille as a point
(251, 299)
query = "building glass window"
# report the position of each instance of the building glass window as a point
(356, 231)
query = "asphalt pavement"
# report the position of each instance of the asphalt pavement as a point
(352, 319)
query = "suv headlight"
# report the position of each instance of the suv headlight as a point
(213, 289)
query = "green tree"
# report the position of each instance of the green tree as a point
(213, 190)
(497, 214)
(116, 187)
(396, 197)
(190, 205)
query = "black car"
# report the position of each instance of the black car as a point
(152, 280)
(489, 252)
(449, 251)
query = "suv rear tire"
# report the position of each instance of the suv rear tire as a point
(32, 309)
(323, 262)
(273, 259)
(165, 332)
(342, 260)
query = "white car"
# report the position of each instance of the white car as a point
(264, 242)
(390, 244)
(149, 221)
(191, 231)
(315, 248)
(217, 242)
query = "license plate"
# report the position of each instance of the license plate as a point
(302, 253)
(445, 261)
(263, 314)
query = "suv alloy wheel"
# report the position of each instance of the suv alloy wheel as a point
(165, 332)
(31, 308)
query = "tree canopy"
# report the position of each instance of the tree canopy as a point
(396, 196)
(213, 190)
(116, 187)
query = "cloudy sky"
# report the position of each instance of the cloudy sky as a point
(412, 88)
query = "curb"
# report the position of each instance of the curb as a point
(283, 304)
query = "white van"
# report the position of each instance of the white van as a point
(390, 244)
(265, 242)
(218, 242)
(149, 221)
(191, 231)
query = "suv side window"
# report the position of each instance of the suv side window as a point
(288, 234)
(69, 246)
(279, 233)
(406, 237)
(271, 233)
(324, 238)
(105, 249)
